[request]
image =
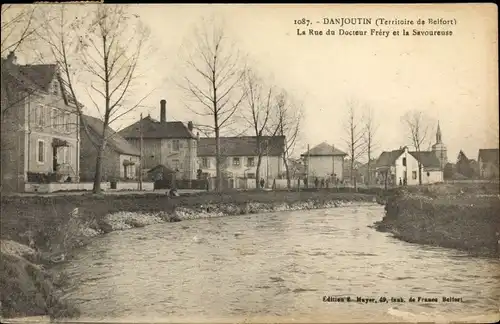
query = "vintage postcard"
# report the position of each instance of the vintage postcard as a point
(226, 163)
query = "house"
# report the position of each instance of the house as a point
(168, 143)
(240, 156)
(40, 137)
(120, 159)
(401, 166)
(324, 161)
(488, 163)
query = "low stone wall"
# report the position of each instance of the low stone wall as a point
(460, 220)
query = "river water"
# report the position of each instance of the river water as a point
(278, 267)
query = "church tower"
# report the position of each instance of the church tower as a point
(440, 149)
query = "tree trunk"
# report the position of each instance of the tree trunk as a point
(287, 172)
(98, 169)
(218, 173)
(419, 173)
(257, 171)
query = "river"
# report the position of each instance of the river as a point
(277, 267)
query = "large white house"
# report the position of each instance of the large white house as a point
(239, 157)
(401, 166)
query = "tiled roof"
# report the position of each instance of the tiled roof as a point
(40, 74)
(152, 128)
(115, 141)
(388, 158)
(323, 149)
(489, 155)
(428, 159)
(28, 78)
(242, 146)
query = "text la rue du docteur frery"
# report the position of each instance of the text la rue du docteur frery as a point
(378, 27)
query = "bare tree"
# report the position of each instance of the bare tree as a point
(370, 132)
(417, 124)
(258, 108)
(287, 123)
(18, 26)
(104, 48)
(212, 81)
(355, 131)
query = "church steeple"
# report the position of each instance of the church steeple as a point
(438, 134)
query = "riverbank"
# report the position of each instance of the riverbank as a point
(40, 231)
(461, 216)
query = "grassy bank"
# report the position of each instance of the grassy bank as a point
(463, 216)
(37, 231)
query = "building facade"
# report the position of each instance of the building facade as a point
(171, 144)
(239, 157)
(120, 160)
(40, 126)
(488, 163)
(324, 161)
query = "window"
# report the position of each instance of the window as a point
(175, 164)
(175, 145)
(55, 88)
(428, 174)
(67, 121)
(236, 161)
(41, 151)
(40, 115)
(205, 163)
(404, 161)
(53, 116)
(250, 161)
(251, 175)
(414, 175)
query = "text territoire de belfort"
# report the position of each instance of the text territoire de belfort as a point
(383, 21)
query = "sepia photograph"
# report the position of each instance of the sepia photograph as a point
(249, 163)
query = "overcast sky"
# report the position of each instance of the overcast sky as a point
(453, 79)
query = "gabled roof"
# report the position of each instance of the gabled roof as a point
(428, 159)
(31, 78)
(323, 149)
(489, 156)
(152, 128)
(388, 158)
(114, 140)
(242, 146)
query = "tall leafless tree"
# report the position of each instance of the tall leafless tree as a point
(18, 26)
(288, 120)
(417, 125)
(355, 131)
(370, 133)
(256, 113)
(104, 48)
(214, 71)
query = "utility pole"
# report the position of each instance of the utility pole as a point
(140, 158)
(307, 167)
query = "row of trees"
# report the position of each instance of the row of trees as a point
(100, 50)
(225, 92)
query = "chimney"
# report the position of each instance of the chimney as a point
(11, 58)
(190, 126)
(163, 111)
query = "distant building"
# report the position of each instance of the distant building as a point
(40, 137)
(439, 149)
(488, 163)
(168, 143)
(240, 156)
(120, 160)
(401, 166)
(324, 161)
